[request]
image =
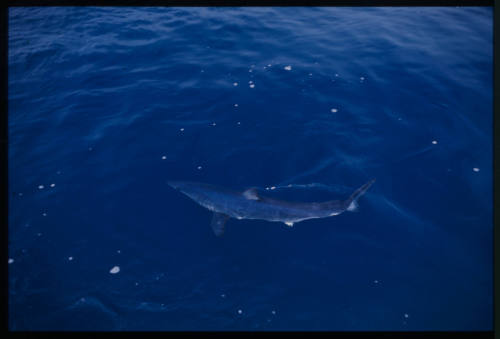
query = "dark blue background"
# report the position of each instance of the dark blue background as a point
(98, 95)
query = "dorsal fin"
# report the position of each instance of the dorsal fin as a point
(251, 194)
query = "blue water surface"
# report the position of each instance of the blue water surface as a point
(108, 104)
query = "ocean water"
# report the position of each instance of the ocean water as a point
(108, 104)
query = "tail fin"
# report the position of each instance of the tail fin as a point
(351, 203)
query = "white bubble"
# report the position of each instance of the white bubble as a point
(240, 311)
(44, 214)
(273, 187)
(250, 70)
(41, 187)
(252, 86)
(20, 194)
(235, 105)
(239, 123)
(362, 78)
(213, 124)
(310, 74)
(70, 258)
(222, 295)
(136, 284)
(406, 315)
(11, 260)
(273, 312)
(118, 251)
(199, 167)
(336, 75)
(235, 84)
(52, 185)
(434, 142)
(333, 110)
(114, 270)
(39, 234)
(375, 281)
(164, 157)
(267, 188)
(182, 129)
(288, 68)
(250, 82)
(268, 65)
(475, 169)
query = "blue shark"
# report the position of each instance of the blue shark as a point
(249, 204)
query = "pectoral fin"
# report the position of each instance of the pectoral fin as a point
(218, 223)
(251, 194)
(353, 206)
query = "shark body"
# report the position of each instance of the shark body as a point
(248, 204)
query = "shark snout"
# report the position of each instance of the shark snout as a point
(175, 184)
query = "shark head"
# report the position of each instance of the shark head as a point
(178, 185)
(196, 191)
(188, 188)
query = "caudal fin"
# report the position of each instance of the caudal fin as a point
(351, 203)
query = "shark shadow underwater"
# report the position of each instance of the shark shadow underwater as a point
(226, 203)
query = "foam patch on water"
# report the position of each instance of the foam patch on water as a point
(114, 270)
(288, 68)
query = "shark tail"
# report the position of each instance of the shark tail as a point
(351, 203)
